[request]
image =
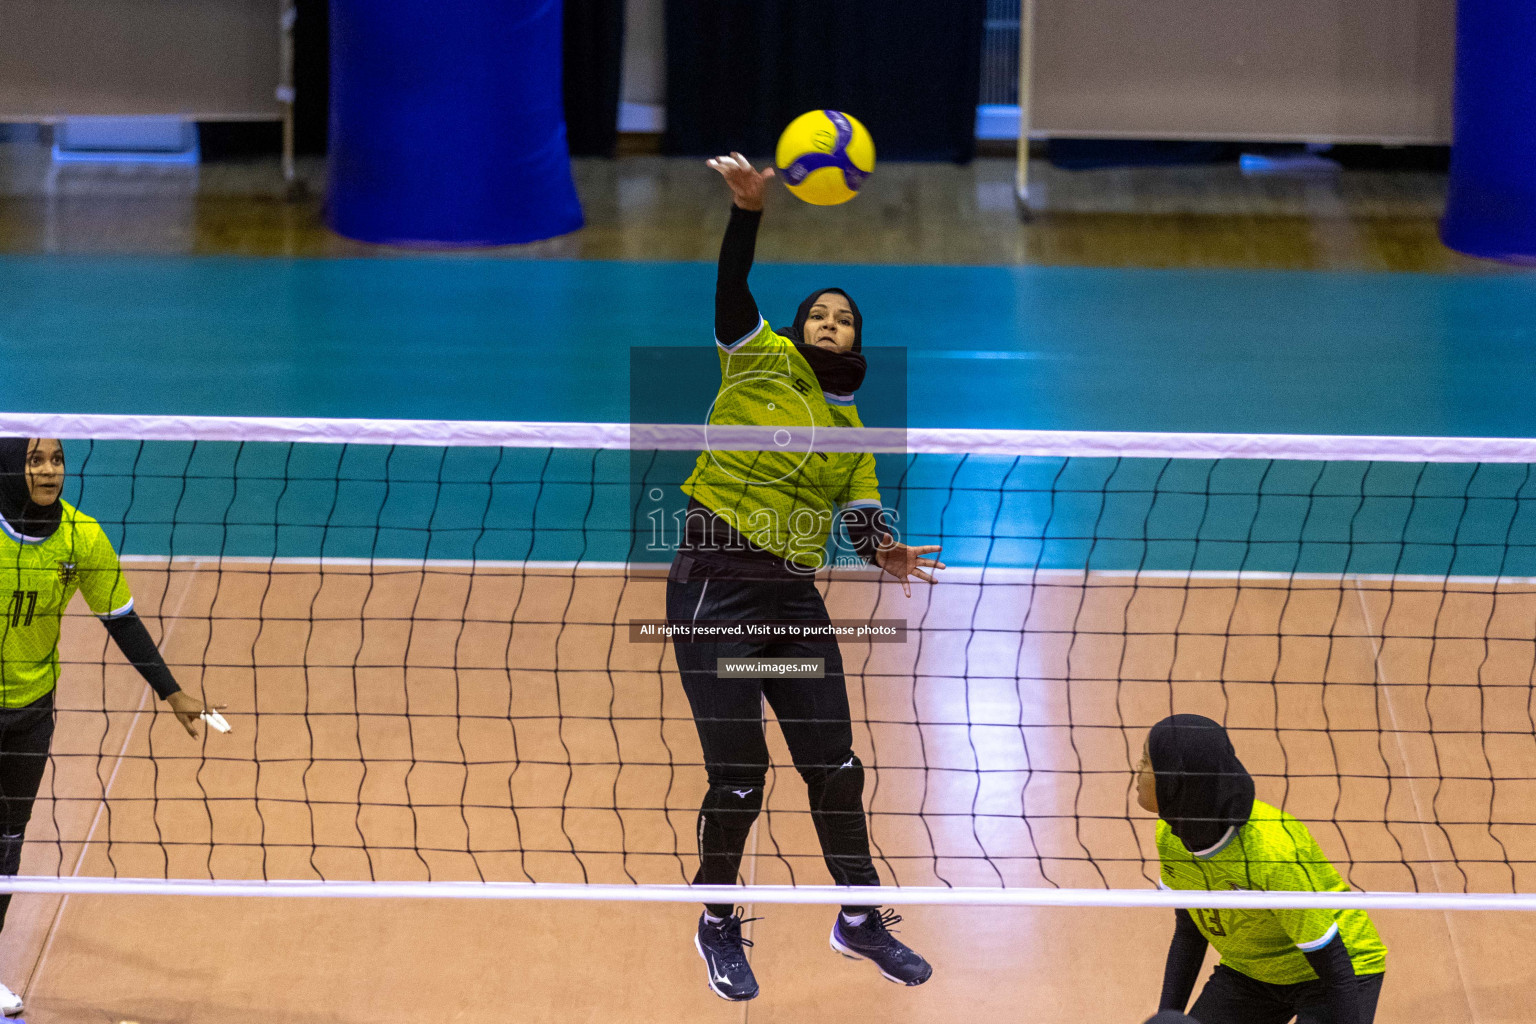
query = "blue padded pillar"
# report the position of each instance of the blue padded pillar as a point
(1491, 207)
(446, 123)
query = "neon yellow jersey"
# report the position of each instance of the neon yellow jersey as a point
(1273, 852)
(783, 501)
(37, 580)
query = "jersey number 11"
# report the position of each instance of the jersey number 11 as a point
(23, 603)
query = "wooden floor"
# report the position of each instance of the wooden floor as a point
(999, 738)
(653, 208)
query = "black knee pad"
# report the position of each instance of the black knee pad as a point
(737, 776)
(734, 800)
(726, 817)
(837, 788)
(10, 851)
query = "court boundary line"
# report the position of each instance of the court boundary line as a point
(1413, 789)
(953, 574)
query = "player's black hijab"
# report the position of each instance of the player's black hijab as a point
(16, 505)
(839, 373)
(1202, 788)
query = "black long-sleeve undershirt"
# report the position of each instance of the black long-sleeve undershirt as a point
(705, 533)
(139, 648)
(1186, 954)
(1337, 972)
(736, 313)
(867, 527)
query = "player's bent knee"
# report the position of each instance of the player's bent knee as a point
(734, 799)
(738, 777)
(838, 788)
(841, 770)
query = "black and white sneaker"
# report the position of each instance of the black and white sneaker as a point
(872, 940)
(729, 975)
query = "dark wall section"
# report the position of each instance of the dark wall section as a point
(909, 69)
(311, 75)
(594, 58)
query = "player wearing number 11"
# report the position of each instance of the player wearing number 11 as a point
(48, 550)
(1316, 966)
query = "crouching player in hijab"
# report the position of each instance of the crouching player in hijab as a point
(1313, 966)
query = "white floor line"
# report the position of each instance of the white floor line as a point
(969, 574)
(746, 1007)
(1413, 789)
(35, 976)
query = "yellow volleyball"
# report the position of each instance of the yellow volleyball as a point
(825, 156)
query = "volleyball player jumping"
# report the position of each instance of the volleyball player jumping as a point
(756, 531)
(48, 550)
(1316, 966)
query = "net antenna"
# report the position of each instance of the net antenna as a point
(1026, 99)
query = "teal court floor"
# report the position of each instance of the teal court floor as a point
(1032, 347)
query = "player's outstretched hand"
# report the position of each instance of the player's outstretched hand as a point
(188, 710)
(902, 561)
(746, 182)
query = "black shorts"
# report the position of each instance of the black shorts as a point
(26, 734)
(1231, 997)
(813, 714)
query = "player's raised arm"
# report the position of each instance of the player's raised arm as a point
(736, 314)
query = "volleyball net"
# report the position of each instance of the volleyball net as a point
(431, 641)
